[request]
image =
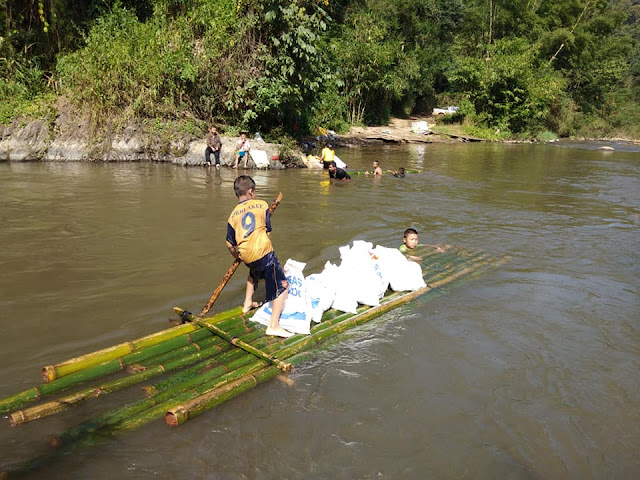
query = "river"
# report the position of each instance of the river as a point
(529, 371)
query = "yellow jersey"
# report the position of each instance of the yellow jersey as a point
(247, 230)
(327, 154)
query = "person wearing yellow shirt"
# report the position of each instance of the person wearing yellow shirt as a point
(248, 239)
(327, 156)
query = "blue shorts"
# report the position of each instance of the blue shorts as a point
(241, 154)
(269, 268)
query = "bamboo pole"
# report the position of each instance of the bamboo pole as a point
(36, 393)
(51, 372)
(218, 393)
(209, 347)
(285, 367)
(147, 409)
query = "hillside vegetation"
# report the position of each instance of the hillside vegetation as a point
(516, 68)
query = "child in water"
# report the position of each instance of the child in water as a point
(410, 243)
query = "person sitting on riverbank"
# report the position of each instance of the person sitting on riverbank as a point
(337, 173)
(248, 239)
(327, 156)
(243, 149)
(214, 144)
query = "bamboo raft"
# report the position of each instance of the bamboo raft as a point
(195, 366)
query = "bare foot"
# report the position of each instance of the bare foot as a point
(279, 332)
(246, 308)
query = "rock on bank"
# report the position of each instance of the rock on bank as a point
(71, 140)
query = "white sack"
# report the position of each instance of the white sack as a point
(402, 274)
(294, 316)
(344, 299)
(260, 158)
(320, 296)
(339, 163)
(358, 268)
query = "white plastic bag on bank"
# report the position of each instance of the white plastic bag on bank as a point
(294, 316)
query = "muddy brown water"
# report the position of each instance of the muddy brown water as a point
(529, 371)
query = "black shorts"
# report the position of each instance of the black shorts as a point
(268, 267)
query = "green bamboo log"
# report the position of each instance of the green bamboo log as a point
(443, 278)
(219, 394)
(434, 276)
(285, 367)
(388, 172)
(206, 348)
(36, 393)
(146, 410)
(110, 366)
(215, 365)
(51, 372)
(157, 411)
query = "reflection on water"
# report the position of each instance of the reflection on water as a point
(530, 371)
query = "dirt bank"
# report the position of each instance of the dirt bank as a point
(399, 130)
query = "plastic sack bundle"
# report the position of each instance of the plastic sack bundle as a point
(294, 315)
(344, 299)
(320, 296)
(401, 273)
(260, 158)
(363, 273)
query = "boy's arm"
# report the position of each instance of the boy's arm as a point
(231, 241)
(268, 221)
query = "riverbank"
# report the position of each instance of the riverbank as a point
(403, 130)
(71, 137)
(74, 137)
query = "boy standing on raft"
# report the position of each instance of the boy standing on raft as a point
(247, 239)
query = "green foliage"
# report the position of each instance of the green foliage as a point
(546, 136)
(139, 69)
(507, 90)
(388, 55)
(330, 110)
(515, 67)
